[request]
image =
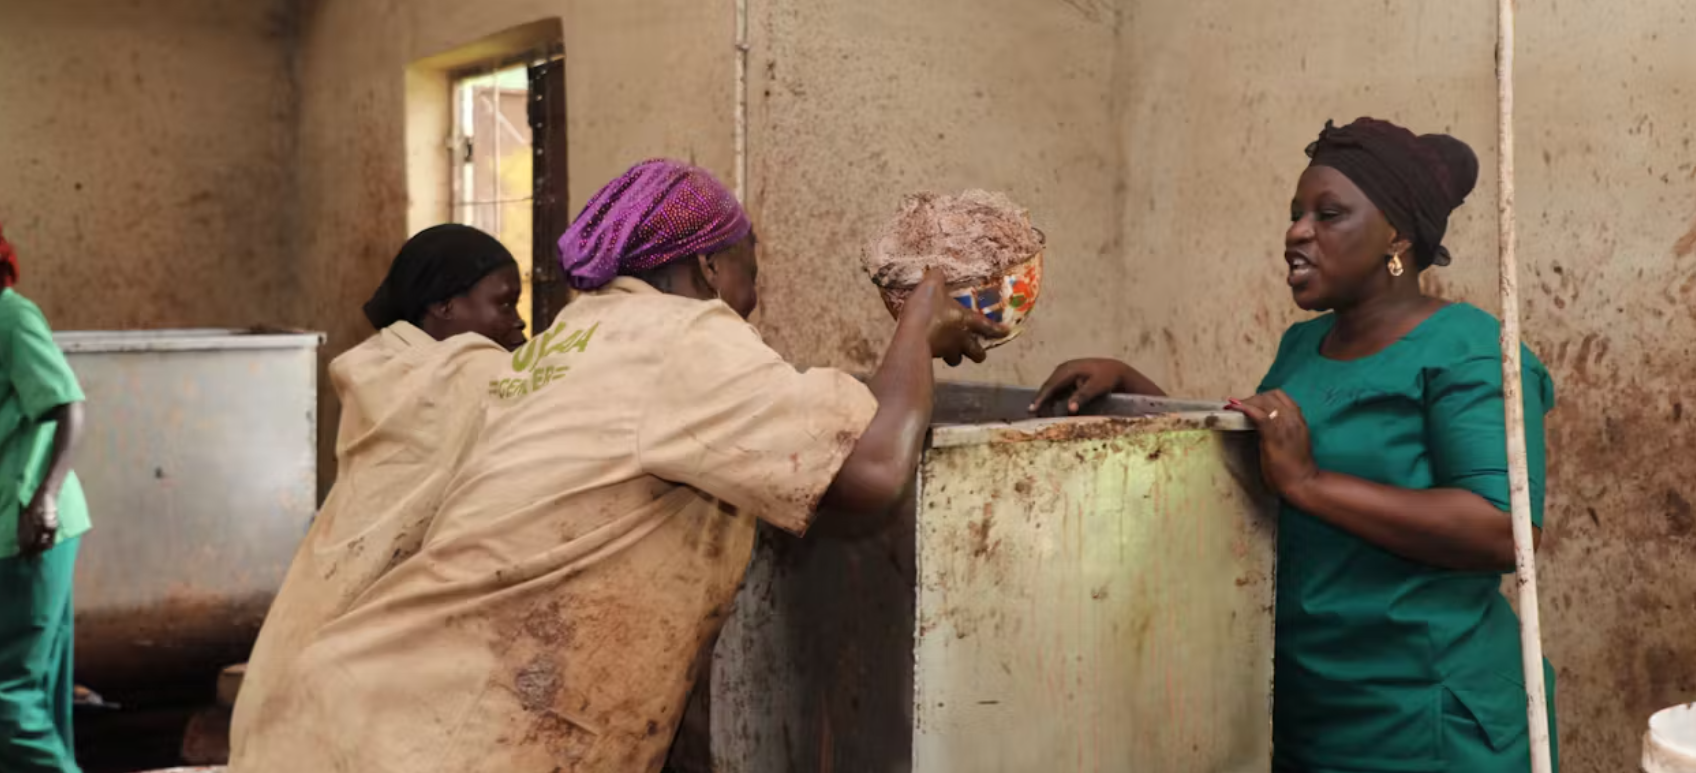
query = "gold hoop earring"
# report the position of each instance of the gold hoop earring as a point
(1396, 265)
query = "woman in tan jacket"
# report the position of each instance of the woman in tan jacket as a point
(590, 544)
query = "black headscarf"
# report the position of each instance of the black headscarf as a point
(1415, 181)
(439, 263)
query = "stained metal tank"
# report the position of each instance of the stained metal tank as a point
(200, 465)
(1080, 594)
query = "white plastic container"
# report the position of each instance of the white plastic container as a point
(1670, 744)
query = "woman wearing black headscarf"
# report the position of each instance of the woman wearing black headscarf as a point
(411, 401)
(1382, 431)
(452, 279)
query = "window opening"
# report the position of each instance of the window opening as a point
(492, 176)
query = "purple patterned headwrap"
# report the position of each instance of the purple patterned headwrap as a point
(657, 212)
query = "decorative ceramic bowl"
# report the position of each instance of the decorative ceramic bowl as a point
(1007, 298)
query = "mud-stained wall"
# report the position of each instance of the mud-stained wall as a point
(1157, 145)
(1162, 174)
(146, 151)
(849, 107)
(854, 104)
(1607, 196)
(208, 162)
(643, 79)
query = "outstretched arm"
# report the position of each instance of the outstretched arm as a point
(886, 456)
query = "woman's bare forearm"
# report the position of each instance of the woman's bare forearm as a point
(1446, 527)
(1133, 382)
(887, 454)
(67, 434)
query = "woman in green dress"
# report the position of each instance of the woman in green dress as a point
(42, 515)
(1382, 431)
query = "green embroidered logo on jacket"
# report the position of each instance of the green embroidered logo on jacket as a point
(535, 365)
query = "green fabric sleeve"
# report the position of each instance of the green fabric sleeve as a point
(35, 366)
(1467, 428)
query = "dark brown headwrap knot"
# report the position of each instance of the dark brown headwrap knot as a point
(1415, 181)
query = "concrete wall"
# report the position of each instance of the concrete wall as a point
(146, 159)
(840, 127)
(855, 104)
(1162, 175)
(216, 162)
(1607, 191)
(643, 79)
(1157, 145)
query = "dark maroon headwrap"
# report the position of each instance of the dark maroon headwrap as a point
(8, 262)
(1415, 181)
(657, 212)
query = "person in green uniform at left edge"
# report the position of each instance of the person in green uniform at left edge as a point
(1382, 431)
(42, 514)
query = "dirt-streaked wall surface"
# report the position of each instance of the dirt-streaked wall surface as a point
(1162, 175)
(643, 79)
(202, 162)
(855, 104)
(1222, 99)
(146, 159)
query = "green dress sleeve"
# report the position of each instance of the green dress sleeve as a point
(40, 376)
(1467, 427)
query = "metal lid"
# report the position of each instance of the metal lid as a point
(200, 339)
(1000, 409)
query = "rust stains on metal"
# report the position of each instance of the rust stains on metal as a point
(1088, 428)
(185, 636)
(1103, 428)
(982, 545)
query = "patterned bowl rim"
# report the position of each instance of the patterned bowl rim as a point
(1024, 316)
(976, 283)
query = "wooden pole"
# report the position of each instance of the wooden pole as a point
(1513, 390)
(739, 136)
